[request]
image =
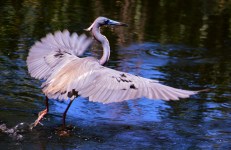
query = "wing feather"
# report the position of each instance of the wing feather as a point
(123, 94)
(50, 40)
(114, 95)
(86, 92)
(78, 45)
(75, 76)
(73, 40)
(66, 39)
(109, 94)
(171, 95)
(58, 37)
(114, 86)
(103, 93)
(98, 93)
(55, 51)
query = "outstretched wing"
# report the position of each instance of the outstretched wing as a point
(55, 51)
(102, 84)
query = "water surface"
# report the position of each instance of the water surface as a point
(182, 44)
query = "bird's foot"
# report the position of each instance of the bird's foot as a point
(65, 131)
(40, 116)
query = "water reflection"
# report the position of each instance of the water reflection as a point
(182, 44)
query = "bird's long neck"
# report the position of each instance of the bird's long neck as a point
(105, 44)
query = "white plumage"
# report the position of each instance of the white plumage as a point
(54, 52)
(56, 60)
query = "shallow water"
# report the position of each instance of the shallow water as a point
(184, 45)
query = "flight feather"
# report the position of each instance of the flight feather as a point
(54, 51)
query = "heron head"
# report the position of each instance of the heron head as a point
(103, 21)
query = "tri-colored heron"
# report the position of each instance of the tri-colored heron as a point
(56, 60)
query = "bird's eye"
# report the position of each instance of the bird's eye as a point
(107, 21)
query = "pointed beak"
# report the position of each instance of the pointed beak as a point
(107, 22)
(116, 23)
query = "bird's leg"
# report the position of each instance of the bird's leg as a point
(41, 114)
(65, 131)
(65, 113)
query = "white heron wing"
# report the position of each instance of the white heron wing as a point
(115, 86)
(87, 78)
(55, 51)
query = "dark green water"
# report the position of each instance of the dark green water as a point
(185, 44)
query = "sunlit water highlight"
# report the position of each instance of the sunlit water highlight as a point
(166, 41)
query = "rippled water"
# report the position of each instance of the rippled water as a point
(182, 45)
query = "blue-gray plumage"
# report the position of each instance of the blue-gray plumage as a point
(55, 59)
